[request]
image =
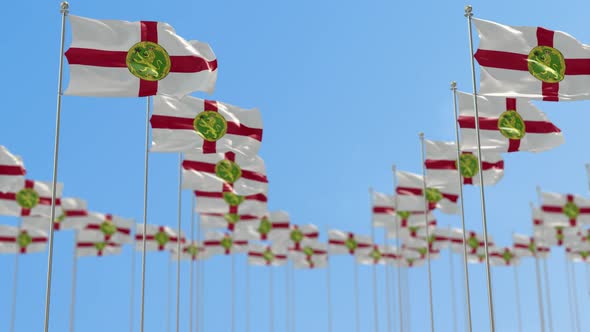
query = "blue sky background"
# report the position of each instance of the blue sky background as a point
(344, 88)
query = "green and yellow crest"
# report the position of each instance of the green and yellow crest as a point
(507, 256)
(227, 242)
(27, 198)
(546, 64)
(148, 61)
(228, 171)
(511, 125)
(100, 246)
(192, 250)
(308, 251)
(232, 199)
(584, 254)
(468, 165)
(23, 239)
(433, 195)
(60, 218)
(376, 254)
(265, 226)
(268, 256)
(403, 215)
(211, 126)
(296, 236)
(473, 242)
(231, 218)
(108, 228)
(162, 238)
(559, 233)
(423, 251)
(351, 244)
(571, 210)
(532, 247)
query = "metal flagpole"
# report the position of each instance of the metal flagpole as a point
(548, 292)
(287, 292)
(387, 287)
(132, 288)
(145, 210)
(421, 135)
(572, 274)
(569, 296)
(202, 289)
(14, 288)
(294, 304)
(64, 10)
(178, 242)
(233, 292)
(192, 265)
(169, 295)
(408, 299)
(247, 297)
(74, 281)
(357, 311)
(453, 299)
(463, 228)
(329, 296)
(469, 15)
(517, 295)
(271, 299)
(540, 293)
(399, 267)
(375, 294)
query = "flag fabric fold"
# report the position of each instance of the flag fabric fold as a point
(439, 196)
(267, 255)
(158, 238)
(230, 203)
(23, 240)
(12, 169)
(90, 243)
(218, 243)
(340, 242)
(565, 209)
(273, 227)
(29, 198)
(113, 228)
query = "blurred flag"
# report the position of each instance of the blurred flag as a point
(113, 228)
(29, 198)
(12, 169)
(298, 233)
(555, 235)
(565, 209)
(340, 242)
(24, 240)
(375, 255)
(193, 250)
(273, 227)
(158, 238)
(383, 209)
(230, 203)
(525, 245)
(439, 196)
(218, 243)
(94, 244)
(227, 220)
(475, 242)
(503, 257)
(316, 262)
(578, 255)
(274, 255)
(409, 225)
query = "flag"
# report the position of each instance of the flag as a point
(565, 209)
(506, 125)
(259, 254)
(227, 220)
(503, 257)
(578, 255)
(29, 198)
(94, 244)
(316, 262)
(439, 196)
(308, 248)
(555, 235)
(441, 165)
(111, 58)
(581, 240)
(12, 169)
(158, 238)
(114, 228)
(532, 62)
(224, 171)
(475, 242)
(193, 250)
(340, 242)
(383, 209)
(218, 243)
(410, 261)
(376, 255)
(476, 258)
(73, 216)
(528, 246)
(420, 246)
(273, 227)
(437, 239)
(23, 240)
(408, 225)
(298, 233)
(205, 126)
(229, 203)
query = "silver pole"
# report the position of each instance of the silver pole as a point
(572, 273)
(408, 299)
(421, 135)
(469, 15)
(548, 292)
(375, 294)
(192, 264)
(271, 299)
(463, 228)
(202, 289)
(14, 288)
(233, 292)
(64, 10)
(587, 278)
(169, 294)
(287, 304)
(399, 267)
(357, 311)
(387, 287)
(178, 242)
(329, 296)
(145, 211)
(132, 288)
(247, 297)
(569, 297)
(453, 298)
(517, 295)
(294, 304)
(74, 281)
(540, 293)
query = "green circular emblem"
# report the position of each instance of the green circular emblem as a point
(296, 236)
(351, 244)
(233, 199)
(511, 125)
(559, 233)
(584, 254)
(433, 195)
(473, 242)
(422, 251)
(410, 261)
(265, 226)
(268, 256)
(60, 218)
(403, 214)
(148, 61)
(24, 239)
(546, 64)
(376, 254)
(231, 218)
(507, 256)
(192, 250)
(413, 229)
(211, 126)
(571, 210)
(27, 198)
(308, 251)
(532, 247)
(227, 242)
(228, 171)
(100, 246)
(108, 228)
(468, 165)
(161, 238)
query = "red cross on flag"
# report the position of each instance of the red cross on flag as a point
(532, 62)
(410, 259)
(193, 251)
(29, 198)
(113, 228)
(555, 235)
(298, 233)
(340, 243)
(476, 258)
(376, 255)
(263, 255)
(74, 216)
(227, 220)
(442, 166)
(12, 169)
(503, 257)
(582, 239)
(111, 58)
(437, 239)
(418, 246)
(316, 262)
(565, 209)
(439, 196)
(94, 244)
(205, 126)
(308, 249)
(578, 255)
(224, 171)
(409, 225)
(525, 245)
(158, 238)
(506, 125)
(24, 240)
(218, 243)
(383, 209)
(475, 242)
(230, 203)
(274, 227)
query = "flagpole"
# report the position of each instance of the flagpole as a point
(421, 135)
(178, 242)
(517, 296)
(271, 299)
(233, 292)
(464, 229)
(548, 292)
(169, 293)
(587, 278)
(387, 287)
(294, 304)
(192, 265)
(145, 211)
(574, 292)
(73, 292)
(247, 297)
(408, 298)
(469, 15)
(375, 295)
(132, 288)
(539, 292)
(399, 267)
(453, 299)
(356, 297)
(287, 304)
(329, 296)
(14, 288)
(64, 10)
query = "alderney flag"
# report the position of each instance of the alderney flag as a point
(158, 238)
(578, 255)
(383, 209)
(525, 245)
(506, 125)
(581, 239)
(340, 242)
(532, 62)
(411, 261)
(409, 225)
(113, 228)
(316, 262)
(442, 166)
(309, 248)
(228, 202)
(565, 209)
(94, 244)
(111, 58)
(475, 242)
(274, 227)
(299, 233)
(12, 169)
(437, 239)
(259, 254)
(74, 216)
(439, 196)
(29, 198)
(24, 240)
(556, 235)
(206, 126)
(227, 220)
(194, 251)
(224, 171)
(218, 243)
(503, 257)
(375, 255)
(421, 249)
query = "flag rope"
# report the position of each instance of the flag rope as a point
(431, 306)
(64, 10)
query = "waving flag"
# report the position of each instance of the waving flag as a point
(409, 225)
(158, 238)
(273, 227)
(316, 262)
(29, 198)
(340, 242)
(206, 126)
(12, 169)
(218, 243)
(565, 209)
(437, 239)
(503, 257)
(555, 235)
(578, 255)
(275, 255)
(506, 125)
(135, 59)
(298, 233)
(113, 228)
(194, 251)
(227, 220)
(224, 171)
(528, 246)
(582, 239)
(376, 255)
(309, 249)
(439, 196)
(383, 209)
(532, 62)
(475, 242)
(230, 203)
(24, 240)
(442, 166)
(94, 244)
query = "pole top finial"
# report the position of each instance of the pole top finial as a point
(468, 11)
(421, 134)
(453, 85)
(64, 7)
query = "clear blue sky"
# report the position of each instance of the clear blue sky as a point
(344, 88)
